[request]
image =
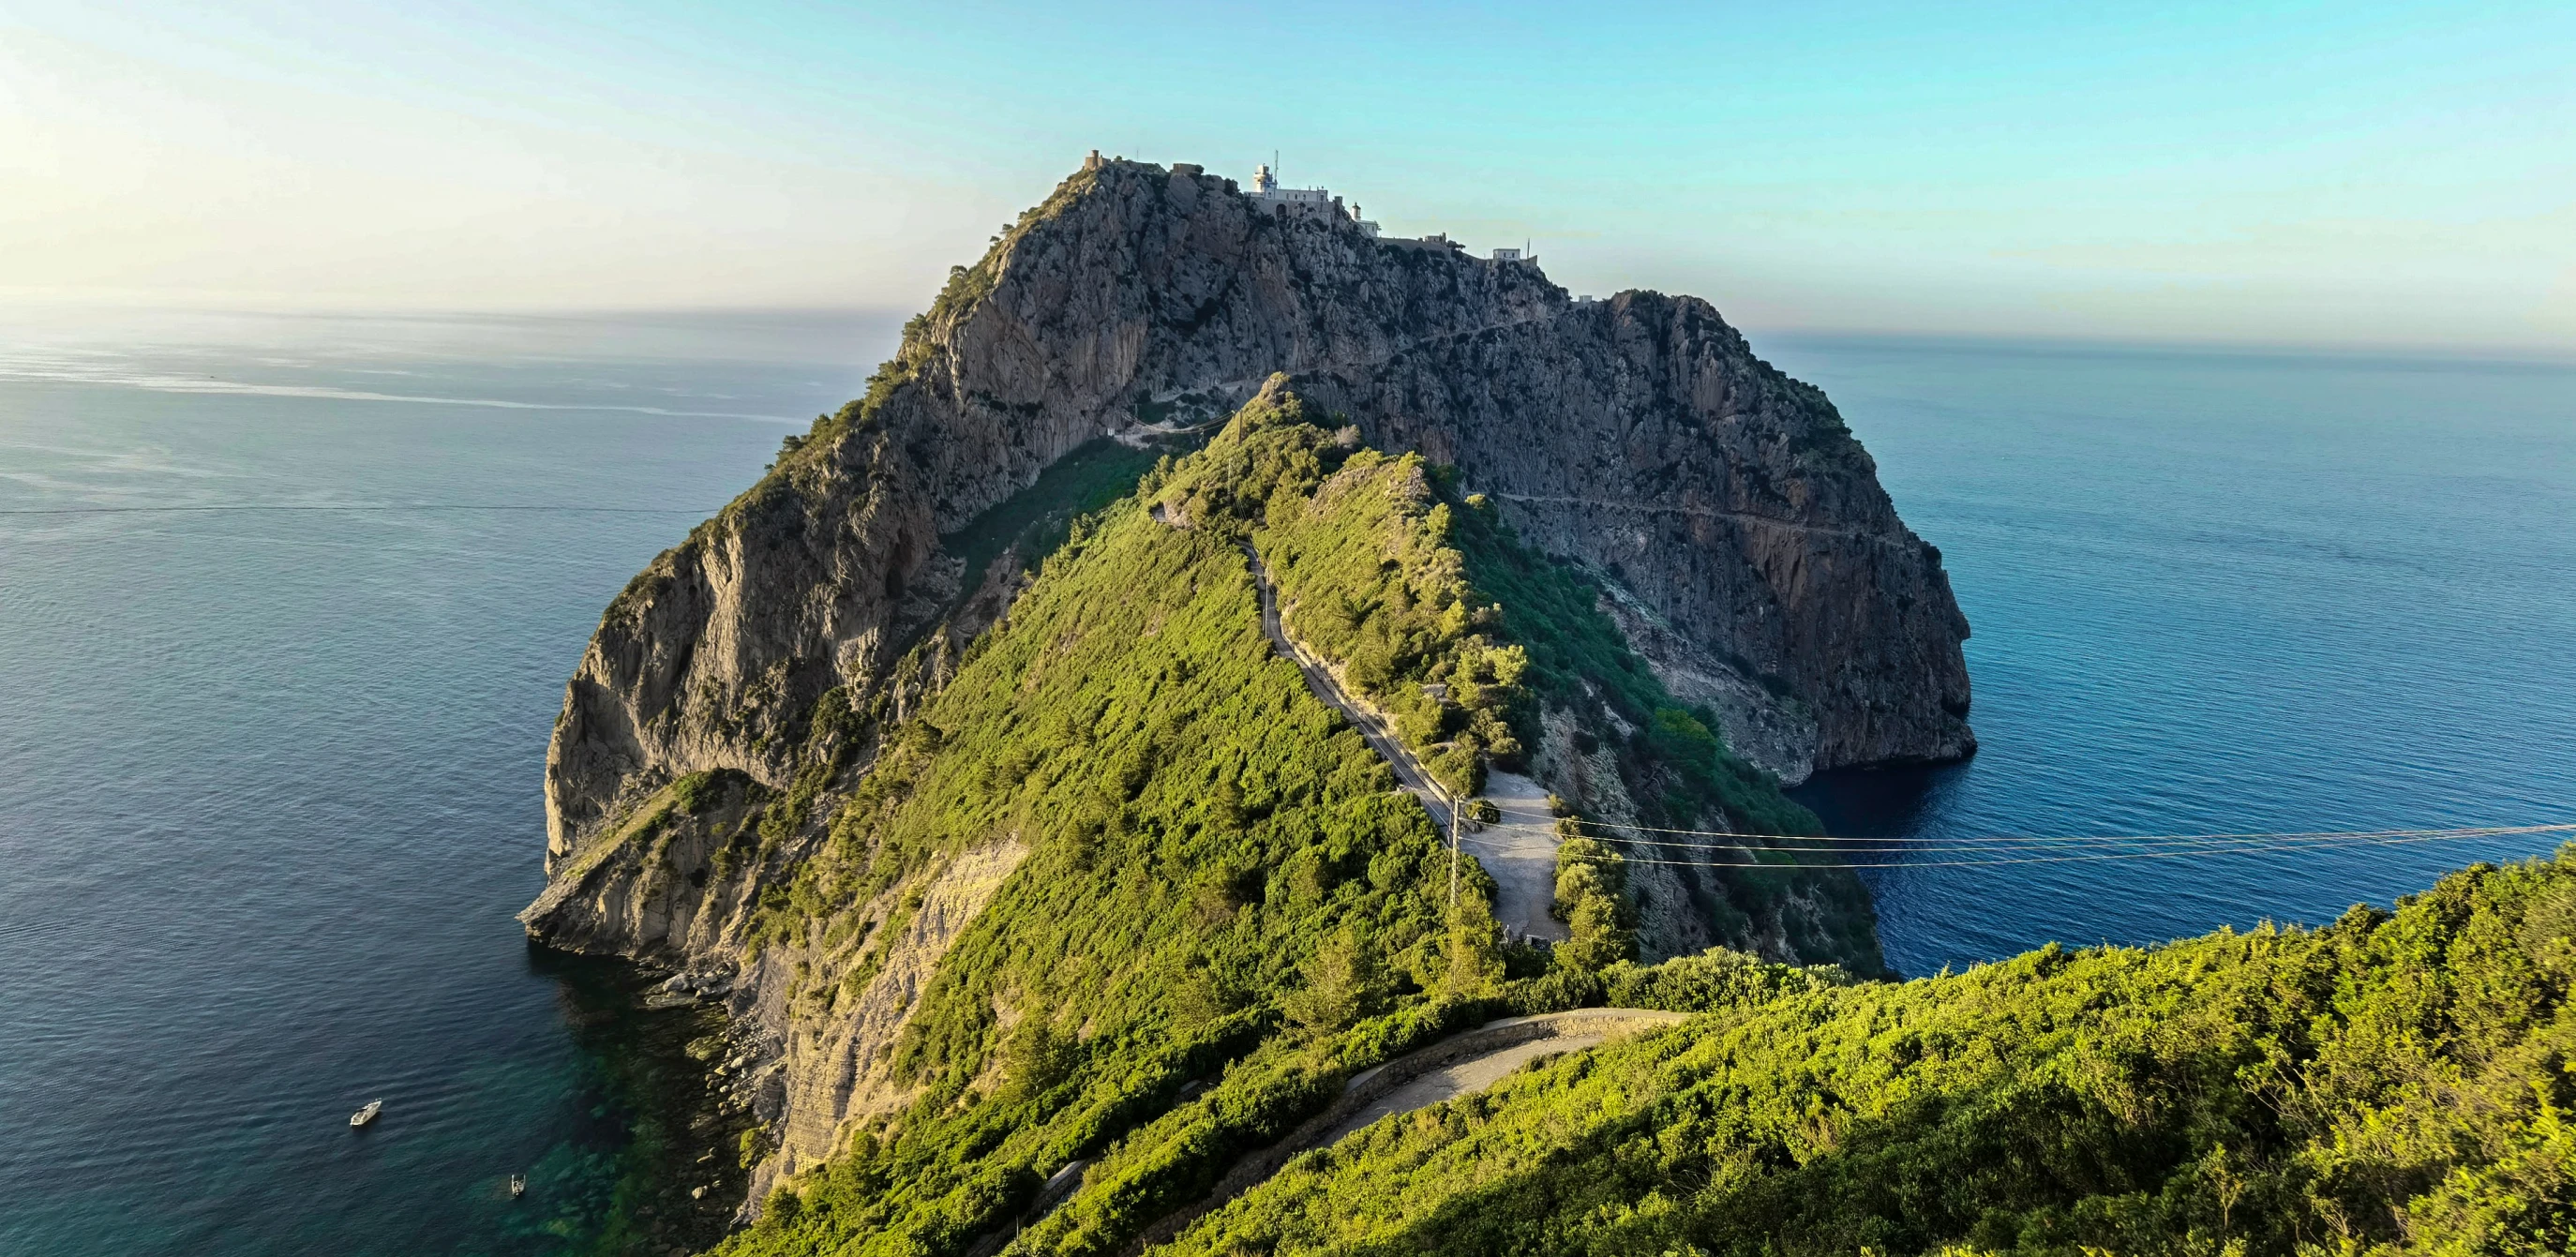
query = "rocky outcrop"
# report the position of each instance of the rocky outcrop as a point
(715, 656)
(1764, 725)
(858, 996)
(1638, 436)
(1641, 438)
(736, 689)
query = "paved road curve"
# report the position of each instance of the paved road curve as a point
(1458, 1065)
(1408, 771)
(1520, 855)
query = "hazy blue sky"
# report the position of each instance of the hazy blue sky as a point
(2349, 173)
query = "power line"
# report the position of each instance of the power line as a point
(1995, 840)
(2184, 842)
(2320, 842)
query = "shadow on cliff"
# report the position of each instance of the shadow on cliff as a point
(1878, 802)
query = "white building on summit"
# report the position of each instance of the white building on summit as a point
(1265, 187)
(1321, 205)
(1303, 202)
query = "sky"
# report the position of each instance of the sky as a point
(2351, 174)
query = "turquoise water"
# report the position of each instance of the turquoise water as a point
(269, 782)
(269, 785)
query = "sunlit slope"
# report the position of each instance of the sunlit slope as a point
(1486, 654)
(2389, 1084)
(1190, 827)
(1158, 901)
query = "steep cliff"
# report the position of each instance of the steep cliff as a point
(1722, 502)
(782, 771)
(960, 756)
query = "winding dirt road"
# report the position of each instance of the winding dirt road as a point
(1458, 1065)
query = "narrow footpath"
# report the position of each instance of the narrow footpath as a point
(1520, 855)
(1409, 773)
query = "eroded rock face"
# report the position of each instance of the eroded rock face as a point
(845, 1070)
(715, 655)
(1638, 436)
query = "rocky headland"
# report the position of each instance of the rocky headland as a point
(740, 695)
(1738, 522)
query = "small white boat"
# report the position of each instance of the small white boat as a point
(367, 1114)
(518, 1186)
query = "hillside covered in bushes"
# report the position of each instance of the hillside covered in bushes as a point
(2393, 1083)
(1213, 909)
(1213, 904)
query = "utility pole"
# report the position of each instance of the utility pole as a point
(1453, 853)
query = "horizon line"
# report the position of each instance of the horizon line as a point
(893, 316)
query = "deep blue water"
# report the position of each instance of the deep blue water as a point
(269, 778)
(2219, 593)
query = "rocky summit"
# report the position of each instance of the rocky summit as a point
(1734, 523)
(1254, 737)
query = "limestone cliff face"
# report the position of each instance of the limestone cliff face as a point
(715, 655)
(1725, 502)
(1641, 437)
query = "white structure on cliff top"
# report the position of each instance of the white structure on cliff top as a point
(1303, 202)
(1320, 204)
(1265, 187)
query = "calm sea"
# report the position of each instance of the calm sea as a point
(2219, 593)
(269, 776)
(269, 781)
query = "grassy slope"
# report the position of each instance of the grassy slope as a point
(1040, 518)
(2388, 1084)
(1222, 887)
(1200, 830)
(1405, 587)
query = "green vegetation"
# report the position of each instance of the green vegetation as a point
(1222, 910)
(1359, 546)
(1438, 616)
(1592, 899)
(2390, 1084)
(1216, 866)
(1680, 772)
(699, 791)
(1221, 891)
(1040, 518)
